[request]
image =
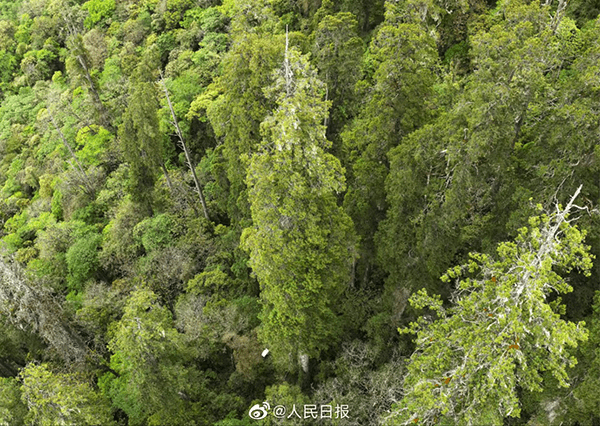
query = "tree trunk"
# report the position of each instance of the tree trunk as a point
(30, 306)
(185, 150)
(303, 362)
(166, 173)
(84, 176)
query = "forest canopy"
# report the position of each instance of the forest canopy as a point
(370, 212)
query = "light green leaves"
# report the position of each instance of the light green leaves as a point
(500, 334)
(61, 399)
(145, 348)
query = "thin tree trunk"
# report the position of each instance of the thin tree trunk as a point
(27, 304)
(166, 173)
(303, 362)
(84, 175)
(105, 115)
(185, 149)
(326, 99)
(562, 5)
(287, 69)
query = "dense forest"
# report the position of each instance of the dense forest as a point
(299, 212)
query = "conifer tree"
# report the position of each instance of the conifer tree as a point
(400, 100)
(501, 332)
(246, 71)
(140, 131)
(301, 241)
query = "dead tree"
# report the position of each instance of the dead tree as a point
(188, 158)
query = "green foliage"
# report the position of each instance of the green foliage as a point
(39, 64)
(82, 260)
(581, 405)
(100, 306)
(139, 133)
(246, 421)
(462, 183)
(12, 409)
(99, 10)
(106, 261)
(501, 331)
(155, 233)
(215, 281)
(61, 398)
(119, 248)
(288, 396)
(173, 14)
(403, 57)
(337, 54)
(156, 385)
(246, 72)
(23, 229)
(8, 66)
(301, 241)
(92, 141)
(143, 343)
(52, 245)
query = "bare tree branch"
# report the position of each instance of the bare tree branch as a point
(185, 148)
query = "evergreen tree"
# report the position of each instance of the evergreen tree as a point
(146, 351)
(338, 54)
(301, 243)
(61, 399)
(246, 73)
(500, 333)
(461, 183)
(140, 133)
(399, 101)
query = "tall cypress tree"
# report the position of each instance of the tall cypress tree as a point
(301, 243)
(401, 99)
(140, 134)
